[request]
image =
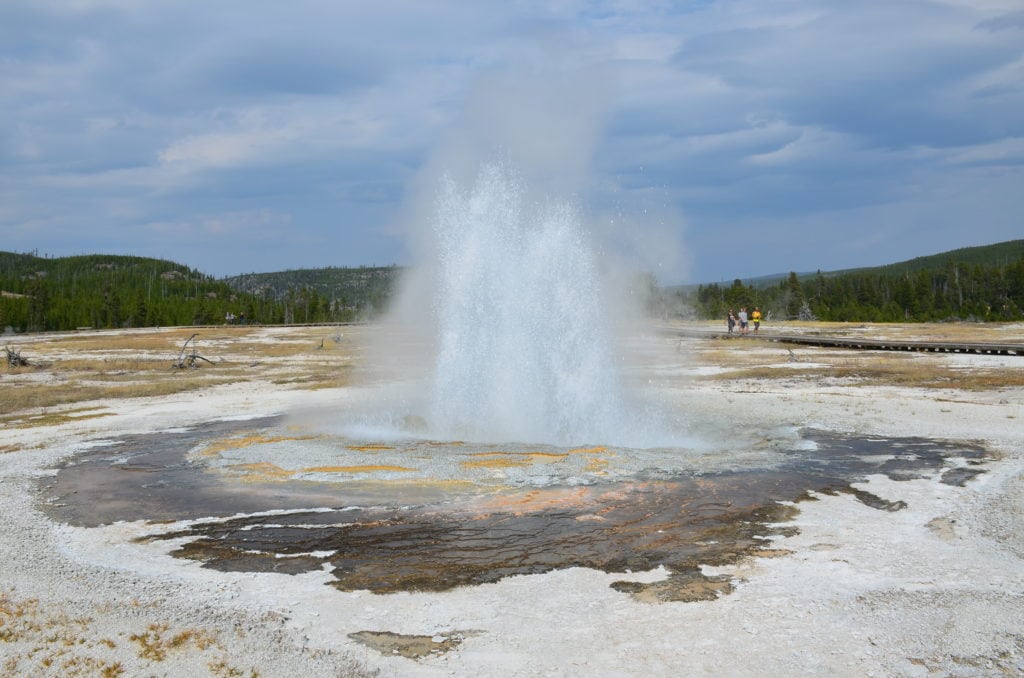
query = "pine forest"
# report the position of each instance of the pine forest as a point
(982, 284)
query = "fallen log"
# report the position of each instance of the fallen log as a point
(14, 358)
(188, 359)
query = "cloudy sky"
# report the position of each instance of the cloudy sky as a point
(712, 139)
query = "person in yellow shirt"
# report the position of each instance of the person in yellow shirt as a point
(755, 318)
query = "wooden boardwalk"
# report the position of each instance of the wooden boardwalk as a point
(979, 348)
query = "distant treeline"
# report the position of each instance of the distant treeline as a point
(324, 294)
(108, 291)
(953, 291)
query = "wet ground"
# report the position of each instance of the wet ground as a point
(390, 516)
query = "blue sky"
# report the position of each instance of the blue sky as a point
(707, 140)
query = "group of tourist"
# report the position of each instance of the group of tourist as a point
(743, 321)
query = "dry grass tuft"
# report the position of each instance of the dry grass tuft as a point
(908, 371)
(137, 363)
(151, 644)
(726, 354)
(55, 418)
(870, 369)
(154, 643)
(765, 372)
(221, 668)
(106, 367)
(953, 331)
(33, 396)
(38, 642)
(18, 618)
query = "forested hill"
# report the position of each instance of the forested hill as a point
(107, 291)
(974, 283)
(41, 293)
(100, 291)
(999, 254)
(361, 292)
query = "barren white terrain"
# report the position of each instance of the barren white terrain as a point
(936, 588)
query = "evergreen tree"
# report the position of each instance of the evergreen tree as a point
(795, 301)
(38, 303)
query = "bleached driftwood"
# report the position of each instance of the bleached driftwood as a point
(14, 358)
(187, 358)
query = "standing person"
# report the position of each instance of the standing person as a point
(755, 318)
(743, 320)
(731, 321)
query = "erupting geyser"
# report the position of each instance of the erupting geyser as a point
(524, 347)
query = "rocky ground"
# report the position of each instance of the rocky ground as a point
(936, 588)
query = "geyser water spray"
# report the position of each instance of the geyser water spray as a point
(524, 346)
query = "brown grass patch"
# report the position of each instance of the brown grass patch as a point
(765, 372)
(18, 618)
(41, 642)
(109, 365)
(95, 367)
(22, 369)
(276, 349)
(215, 344)
(870, 369)
(727, 355)
(154, 644)
(137, 363)
(138, 340)
(953, 331)
(22, 397)
(926, 374)
(337, 381)
(321, 377)
(56, 418)
(222, 669)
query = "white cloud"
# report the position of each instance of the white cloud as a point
(253, 225)
(219, 150)
(1008, 151)
(811, 145)
(118, 113)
